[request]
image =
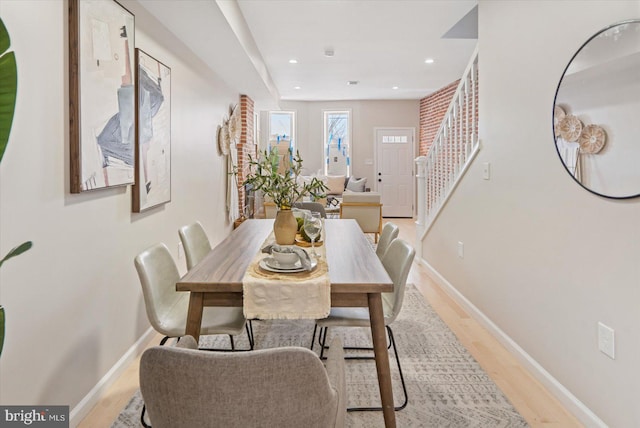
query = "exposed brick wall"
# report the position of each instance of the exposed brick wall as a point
(247, 145)
(432, 110)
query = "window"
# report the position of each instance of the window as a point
(281, 135)
(337, 142)
(281, 130)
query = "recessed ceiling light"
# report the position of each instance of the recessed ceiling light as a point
(429, 61)
(296, 87)
(352, 82)
(395, 87)
(293, 61)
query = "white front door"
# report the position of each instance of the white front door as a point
(394, 170)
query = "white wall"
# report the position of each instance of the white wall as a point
(544, 259)
(365, 116)
(74, 304)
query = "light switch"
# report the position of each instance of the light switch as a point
(486, 170)
(606, 340)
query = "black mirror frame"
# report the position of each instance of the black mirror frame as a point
(630, 21)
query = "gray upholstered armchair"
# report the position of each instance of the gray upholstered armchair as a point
(281, 387)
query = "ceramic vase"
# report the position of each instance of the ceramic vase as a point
(285, 227)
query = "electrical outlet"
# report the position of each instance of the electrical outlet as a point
(180, 251)
(461, 249)
(606, 340)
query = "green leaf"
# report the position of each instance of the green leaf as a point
(8, 88)
(5, 42)
(25, 246)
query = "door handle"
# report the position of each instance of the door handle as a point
(379, 180)
(379, 173)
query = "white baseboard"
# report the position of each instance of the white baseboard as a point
(575, 406)
(85, 405)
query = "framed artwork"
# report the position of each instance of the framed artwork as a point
(102, 95)
(153, 138)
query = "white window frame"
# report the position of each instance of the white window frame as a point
(325, 114)
(293, 128)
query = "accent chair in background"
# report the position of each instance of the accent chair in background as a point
(365, 208)
(312, 206)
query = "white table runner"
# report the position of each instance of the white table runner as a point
(273, 295)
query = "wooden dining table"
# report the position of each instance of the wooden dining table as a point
(357, 280)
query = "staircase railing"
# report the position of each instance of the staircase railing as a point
(453, 149)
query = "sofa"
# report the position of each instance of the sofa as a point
(337, 184)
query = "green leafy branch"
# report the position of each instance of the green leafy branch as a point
(285, 189)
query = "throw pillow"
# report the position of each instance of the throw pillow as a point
(335, 183)
(356, 184)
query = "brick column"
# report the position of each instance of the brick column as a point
(246, 146)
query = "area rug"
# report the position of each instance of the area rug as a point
(446, 385)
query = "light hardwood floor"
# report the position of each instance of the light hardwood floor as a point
(528, 396)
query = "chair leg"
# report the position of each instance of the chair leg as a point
(144, 410)
(315, 328)
(404, 386)
(233, 346)
(249, 328)
(323, 338)
(346, 348)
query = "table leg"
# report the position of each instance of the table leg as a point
(376, 315)
(194, 316)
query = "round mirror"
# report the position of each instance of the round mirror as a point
(596, 114)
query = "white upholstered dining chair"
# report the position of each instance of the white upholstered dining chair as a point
(397, 261)
(167, 308)
(195, 243)
(280, 387)
(390, 232)
(196, 246)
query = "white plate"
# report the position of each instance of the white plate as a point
(269, 264)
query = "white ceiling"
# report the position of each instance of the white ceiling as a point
(379, 43)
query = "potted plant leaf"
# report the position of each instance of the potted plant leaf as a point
(8, 90)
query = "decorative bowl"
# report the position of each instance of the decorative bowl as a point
(285, 257)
